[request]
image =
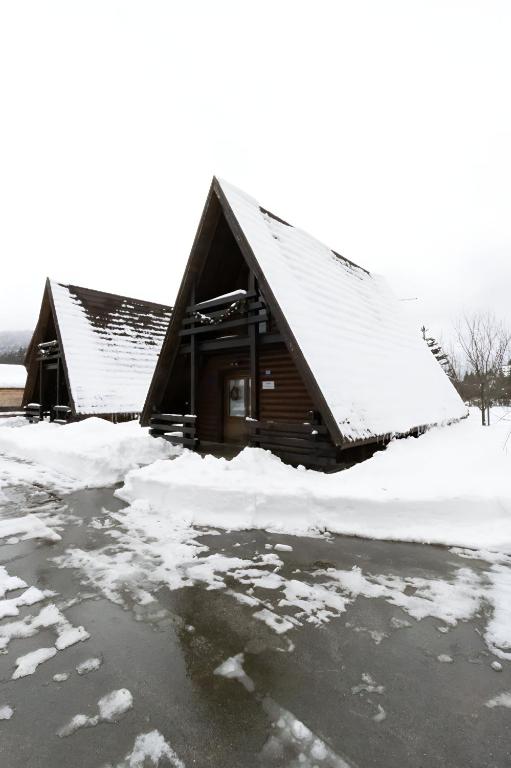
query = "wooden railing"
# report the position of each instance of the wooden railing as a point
(241, 308)
(307, 443)
(178, 429)
(48, 350)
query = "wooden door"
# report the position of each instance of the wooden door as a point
(236, 407)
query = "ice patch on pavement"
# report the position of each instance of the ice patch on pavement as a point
(110, 709)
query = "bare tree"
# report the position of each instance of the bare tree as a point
(485, 342)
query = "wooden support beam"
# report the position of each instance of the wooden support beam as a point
(220, 327)
(237, 342)
(253, 335)
(41, 387)
(193, 361)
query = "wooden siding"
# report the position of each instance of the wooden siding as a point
(288, 402)
(210, 393)
(11, 397)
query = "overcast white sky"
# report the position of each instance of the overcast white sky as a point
(382, 128)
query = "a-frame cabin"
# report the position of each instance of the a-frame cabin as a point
(92, 354)
(279, 342)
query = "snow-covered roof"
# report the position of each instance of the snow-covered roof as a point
(374, 370)
(12, 376)
(110, 344)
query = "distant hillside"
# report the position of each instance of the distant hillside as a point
(13, 345)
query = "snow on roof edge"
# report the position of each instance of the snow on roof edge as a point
(368, 330)
(12, 376)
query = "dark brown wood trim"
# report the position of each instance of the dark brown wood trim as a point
(289, 338)
(61, 347)
(170, 347)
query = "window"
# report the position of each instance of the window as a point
(237, 398)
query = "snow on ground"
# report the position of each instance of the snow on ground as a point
(149, 747)
(89, 665)
(27, 527)
(149, 550)
(49, 616)
(6, 712)
(61, 677)
(89, 453)
(232, 668)
(289, 735)
(502, 700)
(110, 709)
(450, 486)
(32, 595)
(27, 664)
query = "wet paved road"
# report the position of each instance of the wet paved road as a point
(364, 689)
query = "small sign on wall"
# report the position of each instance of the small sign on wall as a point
(268, 385)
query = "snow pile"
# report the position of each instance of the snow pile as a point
(89, 453)
(382, 378)
(12, 376)
(450, 486)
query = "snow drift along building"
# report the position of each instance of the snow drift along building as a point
(277, 341)
(92, 353)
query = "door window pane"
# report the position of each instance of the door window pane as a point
(237, 397)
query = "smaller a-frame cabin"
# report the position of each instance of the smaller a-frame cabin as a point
(279, 342)
(92, 354)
